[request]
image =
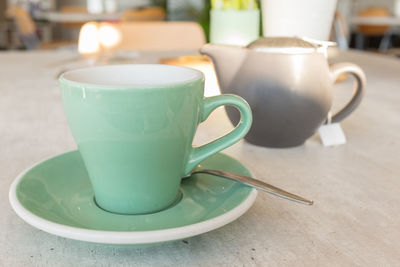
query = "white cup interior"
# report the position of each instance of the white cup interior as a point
(136, 75)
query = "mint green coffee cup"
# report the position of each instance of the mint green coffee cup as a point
(134, 126)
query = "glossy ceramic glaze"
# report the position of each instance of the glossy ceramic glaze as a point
(56, 196)
(288, 88)
(134, 126)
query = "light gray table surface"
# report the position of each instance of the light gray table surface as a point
(355, 220)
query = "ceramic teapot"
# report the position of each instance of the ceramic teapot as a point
(288, 84)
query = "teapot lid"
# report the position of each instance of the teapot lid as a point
(285, 45)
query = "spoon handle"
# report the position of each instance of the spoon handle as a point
(257, 184)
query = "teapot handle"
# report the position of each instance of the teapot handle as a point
(359, 89)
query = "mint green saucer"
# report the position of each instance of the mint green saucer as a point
(56, 196)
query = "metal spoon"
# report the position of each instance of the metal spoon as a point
(257, 184)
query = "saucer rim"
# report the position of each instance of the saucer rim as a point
(124, 237)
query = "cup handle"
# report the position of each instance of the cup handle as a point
(359, 89)
(198, 154)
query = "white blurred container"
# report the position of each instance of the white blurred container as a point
(110, 6)
(95, 6)
(303, 18)
(396, 10)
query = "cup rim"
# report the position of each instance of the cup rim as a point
(72, 77)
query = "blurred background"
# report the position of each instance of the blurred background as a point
(372, 25)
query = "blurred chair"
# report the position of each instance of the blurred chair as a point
(69, 29)
(28, 32)
(73, 10)
(144, 14)
(160, 36)
(372, 30)
(25, 26)
(3, 35)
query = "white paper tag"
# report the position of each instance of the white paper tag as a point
(332, 134)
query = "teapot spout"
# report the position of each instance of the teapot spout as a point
(227, 60)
